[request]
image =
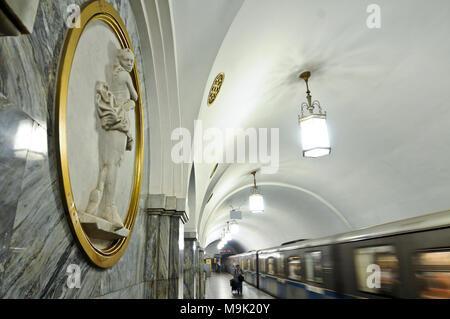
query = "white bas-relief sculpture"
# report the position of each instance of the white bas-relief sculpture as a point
(101, 219)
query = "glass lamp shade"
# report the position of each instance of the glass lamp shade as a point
(256, 203)
(234, 228)
(228, 236)
(314, 135)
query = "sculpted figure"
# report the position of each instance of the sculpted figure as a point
(112, 104)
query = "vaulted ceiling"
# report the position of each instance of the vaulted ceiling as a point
(386, 94)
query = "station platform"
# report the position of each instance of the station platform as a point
(218, 287)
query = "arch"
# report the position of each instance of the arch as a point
(204, 225)
(191, 201)
(155, 30)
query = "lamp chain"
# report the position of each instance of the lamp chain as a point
(310, 105)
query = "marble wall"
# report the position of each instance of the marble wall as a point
(175, 258)
(36, 243)
(163, 262)
(189, 269)
(201, 274)
(193, 277)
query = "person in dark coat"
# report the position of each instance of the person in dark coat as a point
(238, 276)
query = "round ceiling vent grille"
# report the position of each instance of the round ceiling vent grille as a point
(215, 88)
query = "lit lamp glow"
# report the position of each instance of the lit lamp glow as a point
(221, 244)
(256, 200)
(234, 227)
(313, 127)
(256, 203)
(228, 235)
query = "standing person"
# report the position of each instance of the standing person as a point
(239, 278)
(219, 266)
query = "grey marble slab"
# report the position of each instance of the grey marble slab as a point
(39, 246)
(129, 270)
(189, 269)
(163, 248)
(41, 243)
(174, 247)
(133, 292)
(162, 289)
(15, 132)
(12, 168)
(173, 292)
(151, 248)
(175, 261)
(150, 289)
(49, 247)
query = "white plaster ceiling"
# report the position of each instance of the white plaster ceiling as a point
(385, 92)
(199, 28)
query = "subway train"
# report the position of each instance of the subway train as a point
(404, 259)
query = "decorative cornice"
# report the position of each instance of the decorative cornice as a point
(160, 204)
(183, 216)
(191, 235)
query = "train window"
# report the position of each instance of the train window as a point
(271, 266)
(377, 269)
(280, 265)
(314, 271)
(295, 268)
(253, 263)
(262, 264)
(433, 274)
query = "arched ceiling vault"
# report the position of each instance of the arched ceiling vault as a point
(162, 110)
(210, 219)
(385, 92)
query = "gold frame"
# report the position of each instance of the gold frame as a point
(95, 10)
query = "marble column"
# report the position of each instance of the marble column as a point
(176, 249)
(190, 270)
(197, 273)
(151, 256)
(162, 263)
(202, 275)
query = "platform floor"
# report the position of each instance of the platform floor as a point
(218, 287)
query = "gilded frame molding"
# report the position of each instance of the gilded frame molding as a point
(95, 10)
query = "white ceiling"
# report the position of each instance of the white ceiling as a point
(199, 27)
(386, 93)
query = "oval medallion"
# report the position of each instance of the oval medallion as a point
(215, 88)
(99, 124)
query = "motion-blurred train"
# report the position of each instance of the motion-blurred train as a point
(405, 259)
